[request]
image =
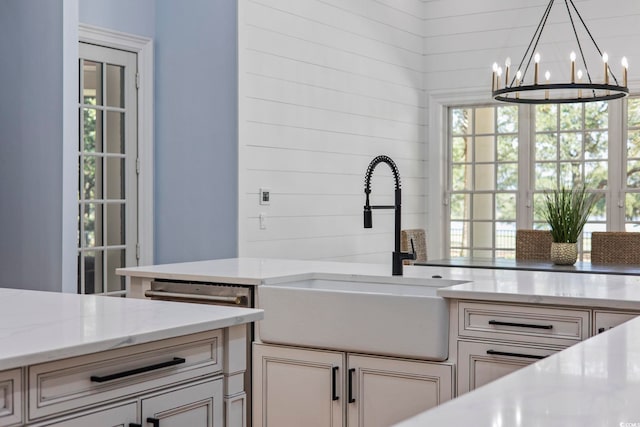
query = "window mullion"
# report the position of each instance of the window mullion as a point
(616, 166)
(524, 217)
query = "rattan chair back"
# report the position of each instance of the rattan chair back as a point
(615, 247)
(533, 245)
(419, 242)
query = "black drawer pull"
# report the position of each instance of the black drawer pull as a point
(175, 361)
(334, 383)
(154, 421)
(520, 325)
(135, 425)
(505, 353)
(351, 372)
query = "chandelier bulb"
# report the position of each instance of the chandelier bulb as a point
(547, 75)
(573, 56)
(605, 57)
(507, 62)
(495, 67)
(625, 63)
(537, 58)
(579, 75)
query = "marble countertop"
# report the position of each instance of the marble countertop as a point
(593, 383)
(38, 326)
(517, 286)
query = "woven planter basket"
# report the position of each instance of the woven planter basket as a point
(564, 253)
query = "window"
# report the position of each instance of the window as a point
(107, 196)
(504, 157)
(484, 181)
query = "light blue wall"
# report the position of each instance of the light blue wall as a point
(196, 162)
(128, 16)
(31, 144)
(196, 131)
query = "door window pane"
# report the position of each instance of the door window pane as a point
(115, 86)
(92, 87)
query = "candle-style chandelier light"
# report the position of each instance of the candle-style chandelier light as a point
(579, 87)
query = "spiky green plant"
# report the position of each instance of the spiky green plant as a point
(567, 211)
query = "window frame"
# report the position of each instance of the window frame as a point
(614, 193)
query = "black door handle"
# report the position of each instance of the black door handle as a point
(99, 379)
(154, 421)
(505, 353)
(351, 372)
(520, 325)
(334, 383)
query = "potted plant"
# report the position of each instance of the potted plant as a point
(567, 211)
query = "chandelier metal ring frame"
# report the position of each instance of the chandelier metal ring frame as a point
(557, 93)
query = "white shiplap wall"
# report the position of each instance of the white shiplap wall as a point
(325, 86)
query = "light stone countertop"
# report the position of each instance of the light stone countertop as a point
(38, 326)
(517, 286)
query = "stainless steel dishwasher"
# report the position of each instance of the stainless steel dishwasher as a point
(214, 294)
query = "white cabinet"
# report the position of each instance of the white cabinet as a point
(11, 398)
(296, 387)
(178, 382)
(122, 415)
(603, 320)
(194, 406)
(382, 391)
(493, 339)
(480, 363)
(307, 387)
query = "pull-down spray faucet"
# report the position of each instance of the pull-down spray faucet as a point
(397, 256)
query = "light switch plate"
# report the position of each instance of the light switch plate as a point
(265, 196)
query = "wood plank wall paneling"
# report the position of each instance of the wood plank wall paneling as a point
(325, 86)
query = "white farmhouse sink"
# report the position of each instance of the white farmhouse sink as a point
(377, 318)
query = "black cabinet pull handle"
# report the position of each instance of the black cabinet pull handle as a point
(505, 353)
(135, 425)
(334, 383)
(601, 330)
(99, 379)
(351, 372)
(520, 325)
(154, 421)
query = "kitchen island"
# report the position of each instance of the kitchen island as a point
(578, 306)
(70, 360)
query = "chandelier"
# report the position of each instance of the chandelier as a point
(520, 88)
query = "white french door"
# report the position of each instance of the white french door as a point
(107, 150)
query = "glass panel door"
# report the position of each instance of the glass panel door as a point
(107, 150)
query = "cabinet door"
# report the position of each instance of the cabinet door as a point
(384, 391)
(297, 387)
(605, 320)
(116, 416)
(480, 363)
(11, 398)
(198, 405)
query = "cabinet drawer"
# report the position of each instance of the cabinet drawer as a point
(480, 363)
(604, 320)
(521, 323)
(11, 398)
(69, 384)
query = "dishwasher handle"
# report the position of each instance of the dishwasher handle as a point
(237, 300)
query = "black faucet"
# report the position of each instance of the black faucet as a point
(397, 256)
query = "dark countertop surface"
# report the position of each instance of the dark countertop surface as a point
(510, 264)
